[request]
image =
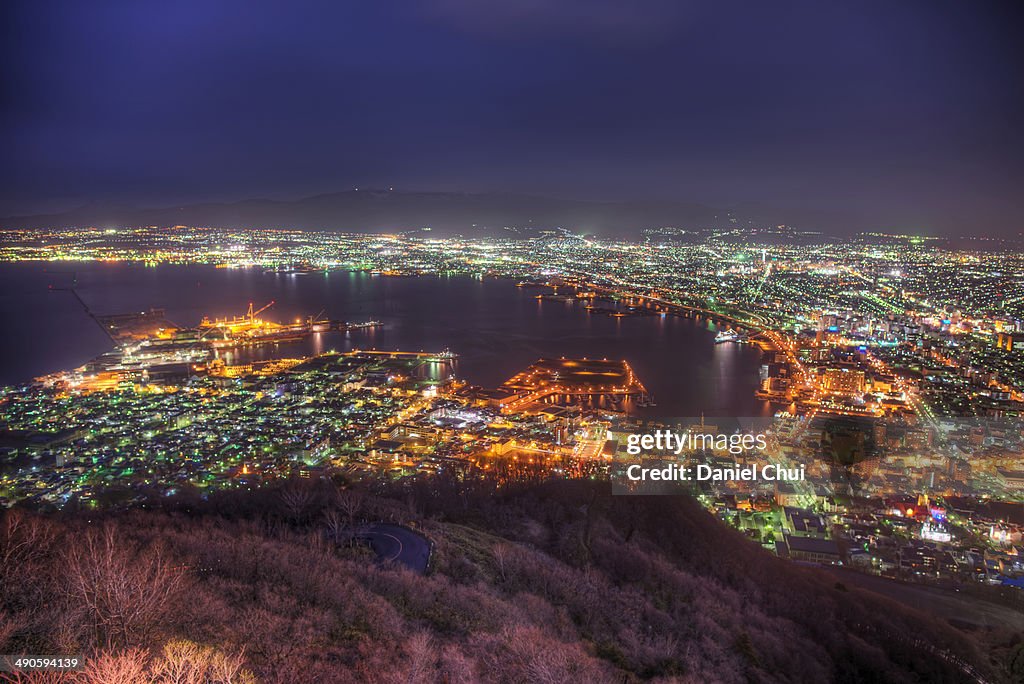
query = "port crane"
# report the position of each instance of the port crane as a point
(249, 318)
(253, 314)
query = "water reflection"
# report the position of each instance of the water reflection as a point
(496, 328)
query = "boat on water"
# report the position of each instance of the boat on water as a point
(729, 335)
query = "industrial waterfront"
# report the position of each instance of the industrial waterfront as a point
(495, 328)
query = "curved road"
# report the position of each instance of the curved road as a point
(398, 544)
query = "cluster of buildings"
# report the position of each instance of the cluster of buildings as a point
(65, 442)
(895, 364)
(940, 503)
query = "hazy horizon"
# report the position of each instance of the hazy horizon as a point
(880, 116)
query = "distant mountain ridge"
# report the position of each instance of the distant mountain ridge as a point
(385, 210)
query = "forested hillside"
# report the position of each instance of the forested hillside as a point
(553, 582)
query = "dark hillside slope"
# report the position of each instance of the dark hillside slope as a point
(555, 582)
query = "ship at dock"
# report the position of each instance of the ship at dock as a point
(252, 330)
(147, 345)
(728, 335)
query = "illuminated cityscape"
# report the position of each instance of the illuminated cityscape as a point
(915, 344)
(538, 342)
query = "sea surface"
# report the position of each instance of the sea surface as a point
(496, 328)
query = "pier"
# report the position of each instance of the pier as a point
(562, 379)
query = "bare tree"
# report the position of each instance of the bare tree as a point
(296, 502)
(502, 555)
(125, 667)
(528, 654)
(420, 659)
(455, 667)
(335, 524)
(8, 626)
(182, 662)
(351, 504)
(227, 669)
(185, 662)
(24, 542)
(123, 593)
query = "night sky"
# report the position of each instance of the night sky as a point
(907, 115)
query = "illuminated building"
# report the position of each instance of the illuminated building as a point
(843, 381)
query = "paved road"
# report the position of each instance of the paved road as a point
(398, 544)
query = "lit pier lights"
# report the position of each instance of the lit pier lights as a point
(585, 378)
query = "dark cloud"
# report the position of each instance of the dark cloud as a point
(905, 114)
(611, 21)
